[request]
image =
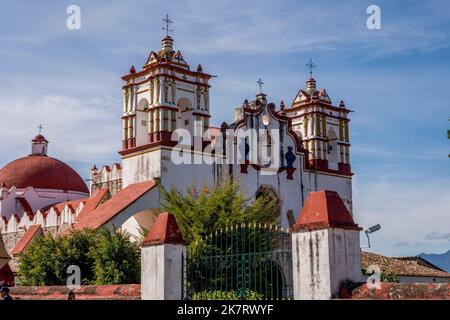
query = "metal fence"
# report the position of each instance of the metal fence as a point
(246, 261)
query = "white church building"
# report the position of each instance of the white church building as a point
(284, 151)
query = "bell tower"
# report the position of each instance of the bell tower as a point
(323, 127)
(163, 96)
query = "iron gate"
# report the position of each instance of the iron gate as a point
(246, 261)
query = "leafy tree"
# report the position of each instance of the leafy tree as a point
(117, 259)
(199, 214)
(37, 263)
(104, 257)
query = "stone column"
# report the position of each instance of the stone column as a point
(161, 260)
(325, 248)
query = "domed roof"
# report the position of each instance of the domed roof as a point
(41, 172)
(39, 137)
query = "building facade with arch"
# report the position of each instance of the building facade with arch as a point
(282, 151)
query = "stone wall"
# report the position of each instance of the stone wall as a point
(10, 239)
(106, 292)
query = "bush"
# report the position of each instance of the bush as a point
(104, 257)
(117, 259)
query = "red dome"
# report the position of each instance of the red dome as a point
(41, 172)
(39, 137)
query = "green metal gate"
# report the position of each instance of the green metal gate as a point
(246, 261)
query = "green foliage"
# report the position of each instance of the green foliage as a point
(37, 263)
(199, 214)
(117, 260)
(226, 295)
(389, 278)
(104, 257)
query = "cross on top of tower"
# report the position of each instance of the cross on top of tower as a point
(260, 83)
(40, 128)
(167, 21)
(310, 66)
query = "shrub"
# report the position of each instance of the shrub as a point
(104, 257)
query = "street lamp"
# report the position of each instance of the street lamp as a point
(371, 230)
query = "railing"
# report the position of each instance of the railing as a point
(246, 261)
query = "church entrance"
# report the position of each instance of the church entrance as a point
(246, 261)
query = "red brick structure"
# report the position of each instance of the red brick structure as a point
(107, 292)
(401, 291)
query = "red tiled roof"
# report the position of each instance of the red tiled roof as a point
(26, 239)
(400, 267)
(164, 230)
(92, 203)
(324, 209)
(114, 206)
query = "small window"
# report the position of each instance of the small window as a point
(186, 122)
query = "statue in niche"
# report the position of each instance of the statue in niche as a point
(290, 159)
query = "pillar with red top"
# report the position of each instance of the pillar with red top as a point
(325, 247)
(161, 260)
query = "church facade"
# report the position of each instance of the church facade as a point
(280, 150)
(166, 100)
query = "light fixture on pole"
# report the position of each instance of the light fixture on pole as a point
(371, 230)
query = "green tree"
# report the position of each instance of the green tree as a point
(104, 257)
(37, 263)
(117, 259)
(214, 208)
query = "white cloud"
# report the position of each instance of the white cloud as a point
(82, 130)
(407, 211)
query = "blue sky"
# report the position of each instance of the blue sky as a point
(395, 79)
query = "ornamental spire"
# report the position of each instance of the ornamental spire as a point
(310, 66)
(167, 42)
(167, 21)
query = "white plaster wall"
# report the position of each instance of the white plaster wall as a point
(345, 257)
(161, 267)
(182, 176)
(148, 201)
(311, 265)
(322, 259)
(142, 167)
(37, 198)
(134, 224)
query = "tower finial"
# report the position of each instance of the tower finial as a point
(310, 66)
(167, 22)
(40, 127)
(260, 83)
